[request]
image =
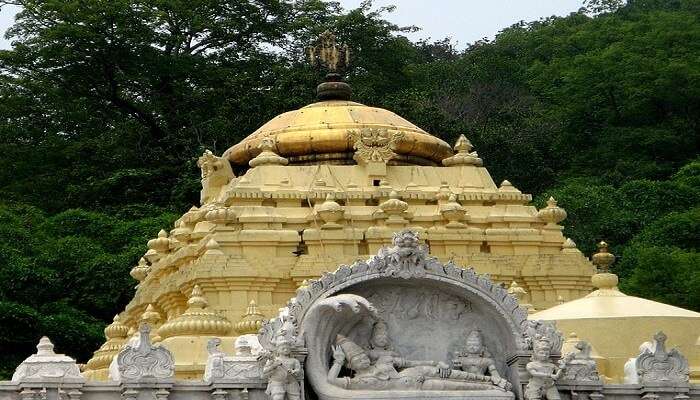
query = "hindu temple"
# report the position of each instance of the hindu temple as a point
(336, 238)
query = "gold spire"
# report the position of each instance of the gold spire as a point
(213, 248)
(603, 259)
(197, 320)
(151, 316)
(161, 244)
(252, 320)
(330, 212)
(140, 271)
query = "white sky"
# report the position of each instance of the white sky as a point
(465, 21)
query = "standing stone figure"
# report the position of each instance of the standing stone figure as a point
(476, 359)
(543, 372)
(283, 372)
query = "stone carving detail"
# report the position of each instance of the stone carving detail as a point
(407, 258)
(543, 329)
(381, 368)
(244, 365)
(216, 172)
(581, 366)
(475, 358)
(543, 372)
(46, 365)
(145, 360)
(411, 303)
(374, 144)
(282, 371)
(661, 365)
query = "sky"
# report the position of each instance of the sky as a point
(465, 21)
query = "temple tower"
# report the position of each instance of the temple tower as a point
(325, 185)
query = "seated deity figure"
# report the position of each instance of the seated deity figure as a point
(283, 372)
(543, 373)
(381, 368)
(476, 359)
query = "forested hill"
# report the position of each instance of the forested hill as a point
(105, 106)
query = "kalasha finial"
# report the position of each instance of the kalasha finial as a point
(335, 58)
(603, 258)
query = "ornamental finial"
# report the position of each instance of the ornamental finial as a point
(329, 54)
(603, 258)
(335, 58)
(251, 322)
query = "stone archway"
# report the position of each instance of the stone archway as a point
(429, 308)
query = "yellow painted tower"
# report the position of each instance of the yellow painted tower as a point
(325, 185)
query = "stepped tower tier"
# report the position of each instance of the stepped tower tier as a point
(328, 184)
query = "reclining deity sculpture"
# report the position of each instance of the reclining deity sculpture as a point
(282, 371)
(381, 368)
(476, 359)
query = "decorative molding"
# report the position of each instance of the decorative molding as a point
(243, 366)
(536, 329)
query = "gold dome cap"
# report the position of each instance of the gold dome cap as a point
(321, 132)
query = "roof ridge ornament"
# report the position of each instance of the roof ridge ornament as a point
(335, 59)
(267, 155)
(463, 154)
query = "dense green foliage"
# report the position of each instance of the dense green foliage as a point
(105, 106)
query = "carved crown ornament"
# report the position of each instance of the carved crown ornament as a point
(661, 365)
(143, 360)
(374, 144)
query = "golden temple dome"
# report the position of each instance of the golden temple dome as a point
(321, 132)
(616, 324)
